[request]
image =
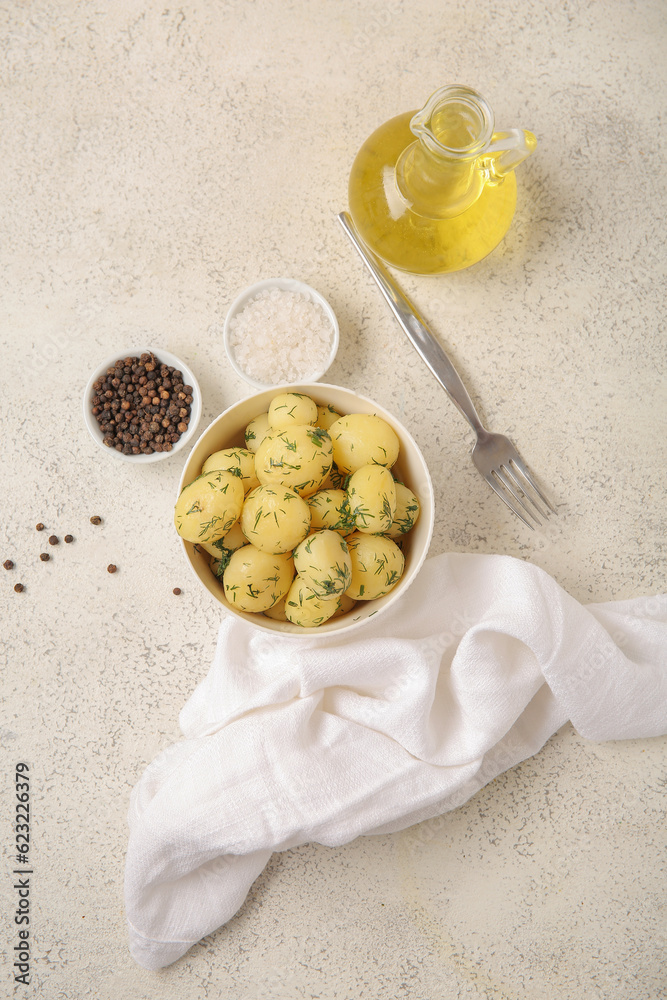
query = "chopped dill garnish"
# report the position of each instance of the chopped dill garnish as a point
(208, 526)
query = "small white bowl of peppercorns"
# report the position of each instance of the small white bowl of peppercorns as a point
(142, 405)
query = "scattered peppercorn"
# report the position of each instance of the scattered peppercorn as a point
(96, 520)
(177, 590)
(69, 538)
(18, 587)
(141, 405)
(39, 527)
(53, 539)
(44, 556)
(8, 564)
(111, 568)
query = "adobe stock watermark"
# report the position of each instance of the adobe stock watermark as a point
(369, 32)
(277, 819)
(505, 755)
(57, 342)
(49, 351)
(21, 874)
(429, 650)
(611, 645)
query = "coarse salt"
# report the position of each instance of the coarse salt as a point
(281, 336)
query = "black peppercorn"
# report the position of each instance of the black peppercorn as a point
(18, 587)
(53, 539)
(8, 564)
(111, 568)
(39, 527)
(44, 556)
(96, 519)
(69, 538)
(145, 397)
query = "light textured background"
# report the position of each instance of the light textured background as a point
(154, 161)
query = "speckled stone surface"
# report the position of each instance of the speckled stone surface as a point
(155, 160)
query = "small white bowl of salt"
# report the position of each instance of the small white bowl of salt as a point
(280, 331)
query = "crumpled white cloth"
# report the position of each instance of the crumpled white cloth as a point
(324, 738)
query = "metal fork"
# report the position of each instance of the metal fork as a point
(494, 455)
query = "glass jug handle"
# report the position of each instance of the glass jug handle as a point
(506, 151)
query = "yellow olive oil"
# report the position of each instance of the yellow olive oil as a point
(410, 233)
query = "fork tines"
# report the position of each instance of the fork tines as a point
(516, 487)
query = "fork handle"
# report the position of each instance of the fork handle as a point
(415, 329)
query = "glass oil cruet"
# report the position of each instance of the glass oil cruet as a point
(435, 190)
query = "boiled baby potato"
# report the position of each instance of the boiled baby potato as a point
(240, 461)
(303, 607)
(371, 497)
(256, 580)
(256, 431)
(275, 518)
(277, 612)
(291, 409)
(363, 439)
(221, 551)
(299, 458)
(231, 541)
(345, 604)
(377, 565)
(329, 508)
(407, 511)
(336, 480)
(326, 416)
(208, 506)
(323, 562)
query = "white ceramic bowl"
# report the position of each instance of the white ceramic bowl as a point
(166, 358)
(228, 429)
(289, 285)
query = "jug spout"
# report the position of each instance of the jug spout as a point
(438, 174)
(455, 121)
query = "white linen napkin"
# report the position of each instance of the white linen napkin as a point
(290, 740)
